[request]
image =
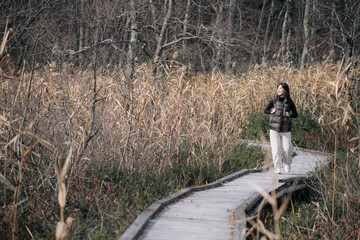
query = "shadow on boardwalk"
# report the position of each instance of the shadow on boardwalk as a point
(217, 210)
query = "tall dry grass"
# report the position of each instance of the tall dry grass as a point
(41, 111)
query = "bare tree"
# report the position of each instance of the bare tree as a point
(306, 33)
(186, 22)
(284, 31)
(229, 38)
(161, 37)
(268, 27)
(258, 31)
(129, 72)
(81, 26)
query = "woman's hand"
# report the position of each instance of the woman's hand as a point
(287, 114)
(273, 110)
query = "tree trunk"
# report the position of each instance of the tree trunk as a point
(306, 33)
(283, 31)
(288, 53)
(186, 22)
(268, 27)
(125, 37)
(81, 28)
(258, 32)
(276, 25)
(198, 44)
(129, 72)
(230, 30)
(159, 46)
(219, 33)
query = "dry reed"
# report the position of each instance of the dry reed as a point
(184, 111)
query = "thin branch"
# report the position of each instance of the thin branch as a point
(179, 40)
(85, 49)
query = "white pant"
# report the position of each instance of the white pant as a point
(281, 147)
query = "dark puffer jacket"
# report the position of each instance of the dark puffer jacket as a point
(278, 121)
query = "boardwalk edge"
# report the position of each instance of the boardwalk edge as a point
(135, 229)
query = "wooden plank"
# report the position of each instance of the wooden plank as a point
(179, 234)
(190, 229)
(201, 205)
(208, 211)
(211, 216)
(218, 196)
(197, 212)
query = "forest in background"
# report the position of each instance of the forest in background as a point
(229, 35)
(107, 106)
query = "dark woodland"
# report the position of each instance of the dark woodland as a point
(206, 34)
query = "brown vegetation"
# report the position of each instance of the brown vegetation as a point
(49, 113)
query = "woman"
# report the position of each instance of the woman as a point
(282, 109)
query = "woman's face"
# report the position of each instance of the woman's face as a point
(281, 91)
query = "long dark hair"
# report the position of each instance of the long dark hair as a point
(286, 87)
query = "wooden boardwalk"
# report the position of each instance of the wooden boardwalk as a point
(217, 210)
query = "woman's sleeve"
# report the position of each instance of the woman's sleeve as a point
(269, 107)
(294, 113)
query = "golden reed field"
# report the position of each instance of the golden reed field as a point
(62, 119)
(162, 111)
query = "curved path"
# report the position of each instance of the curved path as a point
(217, 210)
